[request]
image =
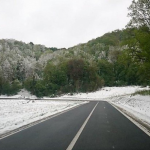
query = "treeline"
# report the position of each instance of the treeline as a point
(129, 65)
(119, 58)
(74, 75)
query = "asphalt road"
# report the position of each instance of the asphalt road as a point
(106, 129)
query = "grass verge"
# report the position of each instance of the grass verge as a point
(142, 92)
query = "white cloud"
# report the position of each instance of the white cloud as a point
(61, 23)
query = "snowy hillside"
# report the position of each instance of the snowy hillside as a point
(17, 57)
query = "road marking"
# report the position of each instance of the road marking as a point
(133, 121)
(80, 130)
(3, 136)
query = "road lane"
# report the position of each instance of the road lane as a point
(80, 130)
(53, 134)
(108, 129)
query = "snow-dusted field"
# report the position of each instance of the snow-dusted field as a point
(21, 95)
(105, 93)
(17, 113)
(137, 105)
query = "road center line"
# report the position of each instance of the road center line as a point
(80, 130)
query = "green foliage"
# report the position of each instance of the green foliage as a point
(40, 88)
(20, 71)
(126, 71)
(30, 84)
(139, 13)
(105, 71)
(15, 87)
(82, 76)
(1, 85)
(142, 92)
(112, 39)
(9, 88)
(74, 75)
(31, 43)
(119, 58)
(139, 51)
(53, 48)
(54, 77)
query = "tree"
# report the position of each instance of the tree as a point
(20, 71)
(139, 50)
(82, 76)
(30, 84)
(139, 13)
(54, 77)
(1, 84)
(75, 69)
(105, 70)
(126, 69)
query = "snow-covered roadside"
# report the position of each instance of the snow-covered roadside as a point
(17, 113)
(23, 94)
(105, 93)
(101, 94)
(138, 106)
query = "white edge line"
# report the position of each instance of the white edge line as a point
(80, 130)
(132, 120)
(36, 122)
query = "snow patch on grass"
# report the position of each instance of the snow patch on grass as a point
(137, 105)
(23, 94)
(105, 92)
(17, 113)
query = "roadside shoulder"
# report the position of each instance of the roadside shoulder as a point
(139, 123)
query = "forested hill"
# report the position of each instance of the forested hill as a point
(114, 59)
(102, 47)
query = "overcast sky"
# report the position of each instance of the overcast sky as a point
(60, 23)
